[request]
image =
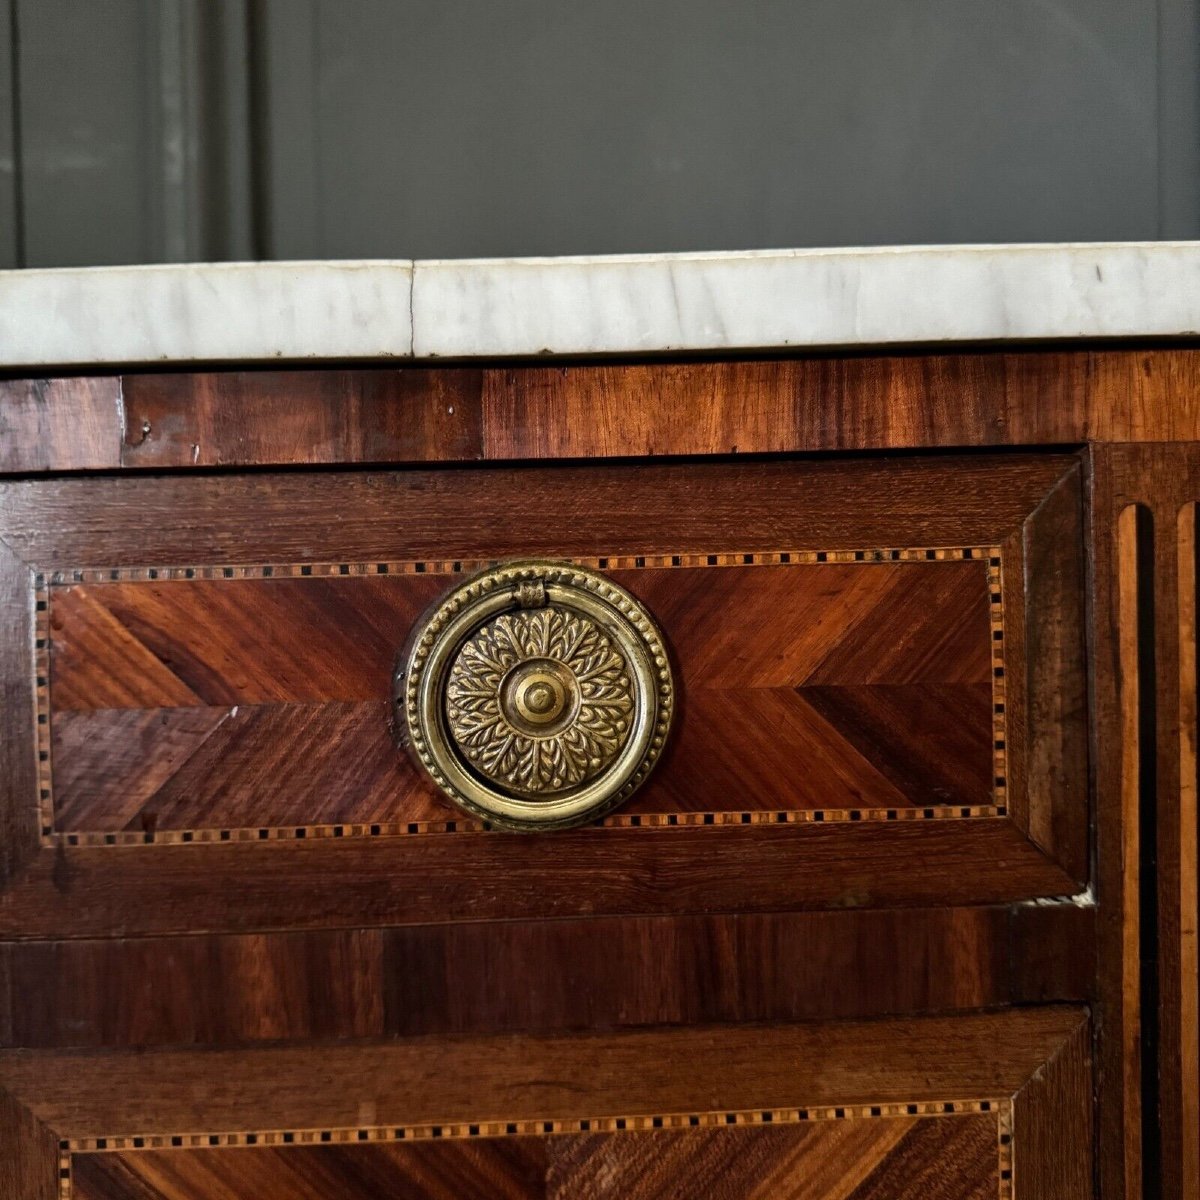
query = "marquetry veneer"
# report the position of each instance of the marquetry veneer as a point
(875, 660)
(970, 1107)
(242, 940)
(216, 703)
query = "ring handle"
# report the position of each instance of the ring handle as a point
(536, 695)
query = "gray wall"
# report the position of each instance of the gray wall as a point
(166, 130)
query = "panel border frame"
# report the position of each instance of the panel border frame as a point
(1021, 502)
(44, 586)
(1032, 1067)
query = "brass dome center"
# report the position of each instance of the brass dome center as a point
(540, 700)
(540, 697)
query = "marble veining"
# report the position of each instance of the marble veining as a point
(804, 299)
(639, 304)
(222, 312)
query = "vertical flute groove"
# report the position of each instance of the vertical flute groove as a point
(1187, 732)
(1133, 525)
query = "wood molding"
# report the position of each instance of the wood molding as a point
(417, 414)
(71, 527)
(131, 891)
(106, 1102)
(594, 973)
(19, 762)
(1143, 535)
(1052, 1116)
(575, 509)
(1187, 731)
(1054, 790)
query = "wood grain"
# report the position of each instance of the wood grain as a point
(611, 509)
(1053, 1126)
(119, 890)
(899, 1158)
(428, 414)
(67, 424)
(841, 402)
(201, 704)
(456, 1081)
(72, 529)
(1155, 482)
(620, 951)
(1041, 967)
(240, 768)
(1118, 734)
(1048, 702)
(19, 792)
(1189, 859)
(513, 976)
(240, 418)
(29, 1164)
(776, 405)
(599, 1114)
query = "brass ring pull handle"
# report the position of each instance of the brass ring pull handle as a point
(536, 695)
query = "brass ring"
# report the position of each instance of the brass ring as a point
(536, 695)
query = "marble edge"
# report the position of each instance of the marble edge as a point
(816, 298)
(214, 312)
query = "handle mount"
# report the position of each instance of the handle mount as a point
(536, 695)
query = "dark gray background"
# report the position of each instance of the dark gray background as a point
(168, 130)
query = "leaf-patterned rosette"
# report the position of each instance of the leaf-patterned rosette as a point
(540, 700)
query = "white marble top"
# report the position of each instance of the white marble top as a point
(637, 304)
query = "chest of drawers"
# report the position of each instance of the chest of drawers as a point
(767, 776)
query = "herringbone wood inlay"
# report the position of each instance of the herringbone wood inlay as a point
(954, 1151)
(202, 703)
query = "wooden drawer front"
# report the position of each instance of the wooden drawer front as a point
(973, 1107)
(873, 660)
(813, 685)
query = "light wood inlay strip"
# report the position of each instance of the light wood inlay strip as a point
(1129, 661)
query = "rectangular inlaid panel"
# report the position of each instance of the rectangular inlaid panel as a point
(883, 1152)
(243, 702)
